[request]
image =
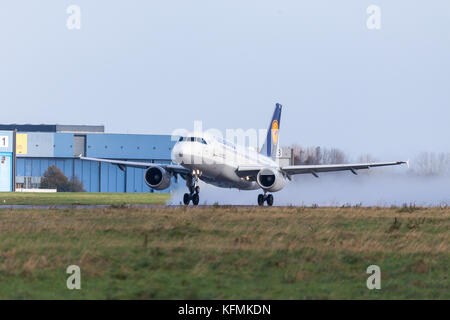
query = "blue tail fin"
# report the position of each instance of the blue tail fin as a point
(269, 148)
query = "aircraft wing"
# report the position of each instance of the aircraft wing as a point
(173, 168)
(314, 169)
(248, 171)
(252, 171)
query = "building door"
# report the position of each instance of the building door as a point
(79, 145)
(5, 173)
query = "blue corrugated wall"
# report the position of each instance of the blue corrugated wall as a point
(96, 177)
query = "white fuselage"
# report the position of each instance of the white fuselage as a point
(215, 161)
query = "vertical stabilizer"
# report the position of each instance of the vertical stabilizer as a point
(269, 148)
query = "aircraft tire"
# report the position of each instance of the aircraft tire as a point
(195, 199)
(186, 198)
(260, 199)
(270, 200)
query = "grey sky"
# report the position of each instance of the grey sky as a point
(154, 66)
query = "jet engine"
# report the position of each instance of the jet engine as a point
(270, 179)
(157, 178)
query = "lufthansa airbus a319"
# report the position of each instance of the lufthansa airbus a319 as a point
(224, 164)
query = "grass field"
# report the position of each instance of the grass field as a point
(81, 198)
(225, 252)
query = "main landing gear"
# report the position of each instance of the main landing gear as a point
(194, 191)
(265, 197)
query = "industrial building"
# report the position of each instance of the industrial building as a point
(41, 146)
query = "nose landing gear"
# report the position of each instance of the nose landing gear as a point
(265, 197)
(194, 191)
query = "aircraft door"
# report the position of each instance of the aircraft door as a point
(5, 173)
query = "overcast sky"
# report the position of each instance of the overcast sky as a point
(155, 66)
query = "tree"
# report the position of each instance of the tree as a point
(75, 185)
(54, 178)
(333, 156)
(432, 164)
(366, 157)
(318, 155)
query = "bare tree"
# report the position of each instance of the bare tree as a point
(318, 155)
(432, 164)
(367, 158)
(425, 164)
(334, 156)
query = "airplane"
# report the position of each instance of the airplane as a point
(218, 162)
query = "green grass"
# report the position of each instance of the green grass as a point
(225, 253)
(82, 198)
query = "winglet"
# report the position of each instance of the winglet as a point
(407, 163)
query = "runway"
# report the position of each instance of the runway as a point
(78, 207)
(107, 206)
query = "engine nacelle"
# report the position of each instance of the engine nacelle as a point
(157, 178)
(270, 179)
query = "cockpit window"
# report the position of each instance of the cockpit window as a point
(193, 139)
(201, 140)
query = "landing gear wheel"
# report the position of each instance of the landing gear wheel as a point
(270, 200)
(195, 199)
(260, 199)
(186, 198)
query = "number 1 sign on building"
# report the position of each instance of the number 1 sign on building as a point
(4, 141)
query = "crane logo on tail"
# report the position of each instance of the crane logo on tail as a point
(275, 132)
